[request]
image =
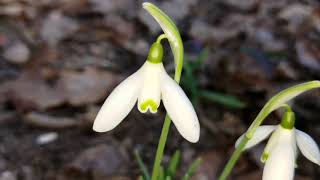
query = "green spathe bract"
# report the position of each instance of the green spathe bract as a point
(277, 101)
(172, 34)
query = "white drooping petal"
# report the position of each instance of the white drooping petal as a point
(119, 103)
(281, 159)
(261, 134)
(280, 164)
(149, 97)
(308, 147)
(179, 109)
(273, 140)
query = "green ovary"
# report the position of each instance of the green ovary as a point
(288, 120)
(149, 103)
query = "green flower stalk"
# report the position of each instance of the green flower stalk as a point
(257, 133)
(172, 34)
(151, 84)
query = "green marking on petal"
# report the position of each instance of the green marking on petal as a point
(264, 157)
(149, 103)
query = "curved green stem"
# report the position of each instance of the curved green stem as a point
(277, 101)
(234, 158)
(161, 37)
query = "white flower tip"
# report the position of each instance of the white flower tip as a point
(195, 140)
(193, 137)
(190, 130)
(99, 127)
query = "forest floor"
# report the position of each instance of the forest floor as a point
(59, 60)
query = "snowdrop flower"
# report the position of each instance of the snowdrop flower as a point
(280, 153)
(147, 86)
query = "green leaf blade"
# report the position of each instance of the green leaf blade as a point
(229, 101)
(173, 164)
(142, 166)
(161, 175)
(191, 170)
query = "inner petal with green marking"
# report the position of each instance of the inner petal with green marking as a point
(264, 157)
(149, 104)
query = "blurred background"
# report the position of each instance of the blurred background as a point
(59, 60)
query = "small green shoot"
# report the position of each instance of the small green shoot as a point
(142, 166)
(169, 173)
(173, 165)
(229, 101)
(162, 174)
(191, 170)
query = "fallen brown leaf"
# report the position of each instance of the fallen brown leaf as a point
(46, 121)
(90, 86)
(30, 91)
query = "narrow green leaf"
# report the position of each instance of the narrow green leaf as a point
(142, 166)
(172, 33)
(229, 101)
(193, 167)
(173, 164)
(189, 81)
(140, 178)
(202, 57)
(161, 175)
